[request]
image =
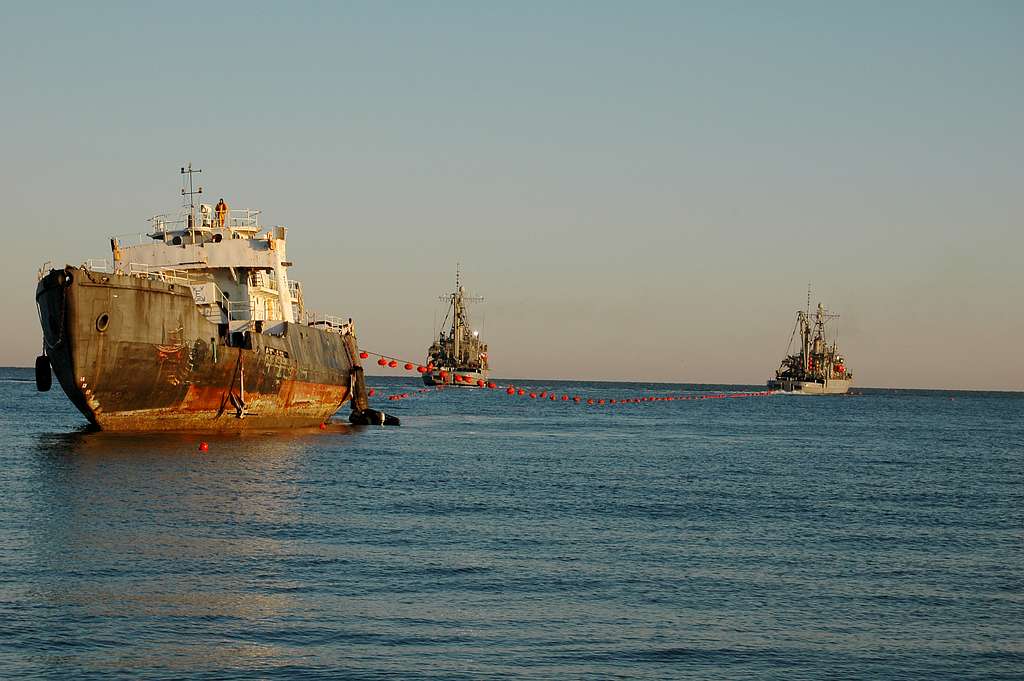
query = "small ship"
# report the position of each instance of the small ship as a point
(818, 368)
(457, 357)
(196, 325)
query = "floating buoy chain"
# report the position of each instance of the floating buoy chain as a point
(551, 395)
(576, 399)
(395, 362)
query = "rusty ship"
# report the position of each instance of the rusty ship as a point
(458, 356)
(196, 325)
(817, 368)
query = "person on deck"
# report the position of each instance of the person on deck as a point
(222, 213)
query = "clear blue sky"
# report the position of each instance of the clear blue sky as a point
(641, 190)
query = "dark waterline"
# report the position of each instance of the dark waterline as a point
(876, 536)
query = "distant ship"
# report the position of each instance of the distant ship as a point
(457, 357)
(196, 326)
(818, 368)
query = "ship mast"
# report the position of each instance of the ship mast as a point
(191, 194)
(805, 332)
(457, 300)
(457, 303)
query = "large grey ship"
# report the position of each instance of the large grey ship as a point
(196, 325)
(817, 368)
(458, 357)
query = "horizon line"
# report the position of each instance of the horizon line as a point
(605, 380)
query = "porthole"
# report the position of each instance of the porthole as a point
(102, 322)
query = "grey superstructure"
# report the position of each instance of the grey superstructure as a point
(818, 368)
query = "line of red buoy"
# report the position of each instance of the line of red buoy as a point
(553, 396)
(415, 393)
(576, 399)
(388, 361)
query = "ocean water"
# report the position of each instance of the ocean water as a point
(876, 536)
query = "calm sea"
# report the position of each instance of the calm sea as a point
(876, 536)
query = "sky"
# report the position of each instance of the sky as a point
(641, 191)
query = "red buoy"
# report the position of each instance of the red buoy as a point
(552, 397)
(371, 392)
(408, 366)
(590, 401)
(481, 383)
(203, 447)
(323, 426)
(533, 396)
(422, 370)
(522, 392)
(544, 394)
(565, 398)
(392, 364)
(443, 375)
(576, 398)
(383, 362)
(363, 355)
(511, 391)
(492, 385)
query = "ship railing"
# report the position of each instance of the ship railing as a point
(239, 310)
(164, 224)
(244, 219)
(219, 308)
(99, 265)
(327, 322)
(293, 289)
(134, 238)
(165, 274)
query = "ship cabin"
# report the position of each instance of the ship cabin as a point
(236, 269)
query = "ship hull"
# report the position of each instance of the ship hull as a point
(831, 386)
(136, 354)
(471, 379)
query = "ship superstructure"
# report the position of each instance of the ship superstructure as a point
(458, 356)
(196, 324)
(817, 368)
